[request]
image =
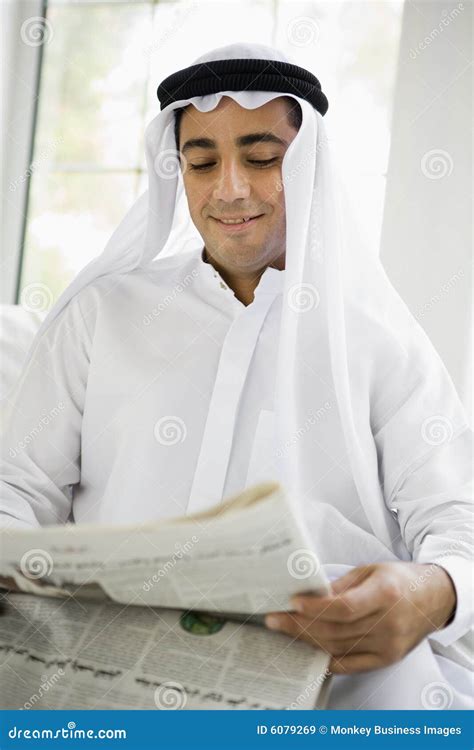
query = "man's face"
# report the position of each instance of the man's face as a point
(232, 171)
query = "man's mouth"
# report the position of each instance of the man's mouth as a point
(237, 221)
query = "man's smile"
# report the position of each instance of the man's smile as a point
(236, 224)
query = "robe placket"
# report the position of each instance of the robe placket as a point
(234, 363)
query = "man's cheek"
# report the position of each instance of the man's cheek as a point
(197, 215)
(275, 188)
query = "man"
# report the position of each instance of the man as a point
(180, 380)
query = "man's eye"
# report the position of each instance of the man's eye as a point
(199, 167)
(263, 162)
(254, 162)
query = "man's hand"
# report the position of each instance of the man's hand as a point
(8, 584)
(375, 615)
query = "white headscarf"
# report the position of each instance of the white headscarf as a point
(347, 340)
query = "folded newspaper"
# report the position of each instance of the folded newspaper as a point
(161, 614)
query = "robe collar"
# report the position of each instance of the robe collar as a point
(215, 289)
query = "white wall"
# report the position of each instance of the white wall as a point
(426, 235)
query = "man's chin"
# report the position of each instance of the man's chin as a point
(239, 259)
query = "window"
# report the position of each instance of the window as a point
(101, 64)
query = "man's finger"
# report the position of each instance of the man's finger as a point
(353, 578)
(301, 627)
(351, 646)
(381, 590)
(333, 607)
(9, 584)
(353, 663)
(297, 626)
(293, 625)
(340, 631)
(374, 593)
(336, 608)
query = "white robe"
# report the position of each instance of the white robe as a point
(153, 394)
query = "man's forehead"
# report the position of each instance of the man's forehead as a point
(229, 118)
(228, 109)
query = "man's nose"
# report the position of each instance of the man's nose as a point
(232, 183)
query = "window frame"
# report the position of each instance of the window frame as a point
(19, 117)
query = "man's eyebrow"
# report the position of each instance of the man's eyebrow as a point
(244, 140)
(266, 137)
(198, 143)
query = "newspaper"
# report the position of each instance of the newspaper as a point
(79, 654)
(248, 555)
(138, 615)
